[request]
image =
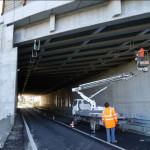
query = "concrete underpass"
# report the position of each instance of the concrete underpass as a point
(80, 42)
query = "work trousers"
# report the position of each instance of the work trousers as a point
(110, 137)
(141, 58)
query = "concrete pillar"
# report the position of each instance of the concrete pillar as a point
(114, 8)
(8, 74)
(52, 23)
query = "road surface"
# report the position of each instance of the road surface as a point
(50, 135)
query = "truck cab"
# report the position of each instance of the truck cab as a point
(80, 104)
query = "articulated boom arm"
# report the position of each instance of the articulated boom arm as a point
(107, 82)
(102, 82)
(93, 104)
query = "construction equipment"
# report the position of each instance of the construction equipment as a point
(36, 46)
(142, 65)
(85, 109)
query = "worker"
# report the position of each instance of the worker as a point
(109, 118)
(141, 54)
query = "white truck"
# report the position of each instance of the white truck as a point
(85, 109)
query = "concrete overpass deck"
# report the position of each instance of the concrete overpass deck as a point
(73, 57)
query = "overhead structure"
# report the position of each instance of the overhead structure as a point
(70, 58)
(72, 46)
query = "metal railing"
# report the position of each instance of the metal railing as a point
(135, 119)
(139, 120)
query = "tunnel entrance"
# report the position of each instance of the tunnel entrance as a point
(28, 101)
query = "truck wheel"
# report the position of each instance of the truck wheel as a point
(92, 124)
(75, 119)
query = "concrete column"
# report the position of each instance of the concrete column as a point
(52, 23)
(8, 74)
(114, 8)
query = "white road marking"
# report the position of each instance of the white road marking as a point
(89, 135)
(29, 135)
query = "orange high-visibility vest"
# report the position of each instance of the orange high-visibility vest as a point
(109, 117)
(141, 52)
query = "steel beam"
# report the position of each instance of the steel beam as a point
(98, 44)
(95, 36)
(85, 66)
(85, 58)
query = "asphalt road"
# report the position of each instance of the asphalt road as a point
(49, 135)
(126, 139)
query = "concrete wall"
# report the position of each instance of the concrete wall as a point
(131, 96)
(8, 74)
(85, 18)
(52, 100)
(22, 12)
(48, 100)
(59, 101)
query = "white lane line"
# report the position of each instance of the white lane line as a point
(33, 145)
(89, 135)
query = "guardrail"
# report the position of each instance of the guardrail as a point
(139, 120)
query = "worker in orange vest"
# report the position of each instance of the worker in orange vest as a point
(109, 117)
(141, 53)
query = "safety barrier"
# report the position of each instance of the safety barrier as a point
(139, 120)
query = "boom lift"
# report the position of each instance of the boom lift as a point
(86, 109)
(108, 82)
